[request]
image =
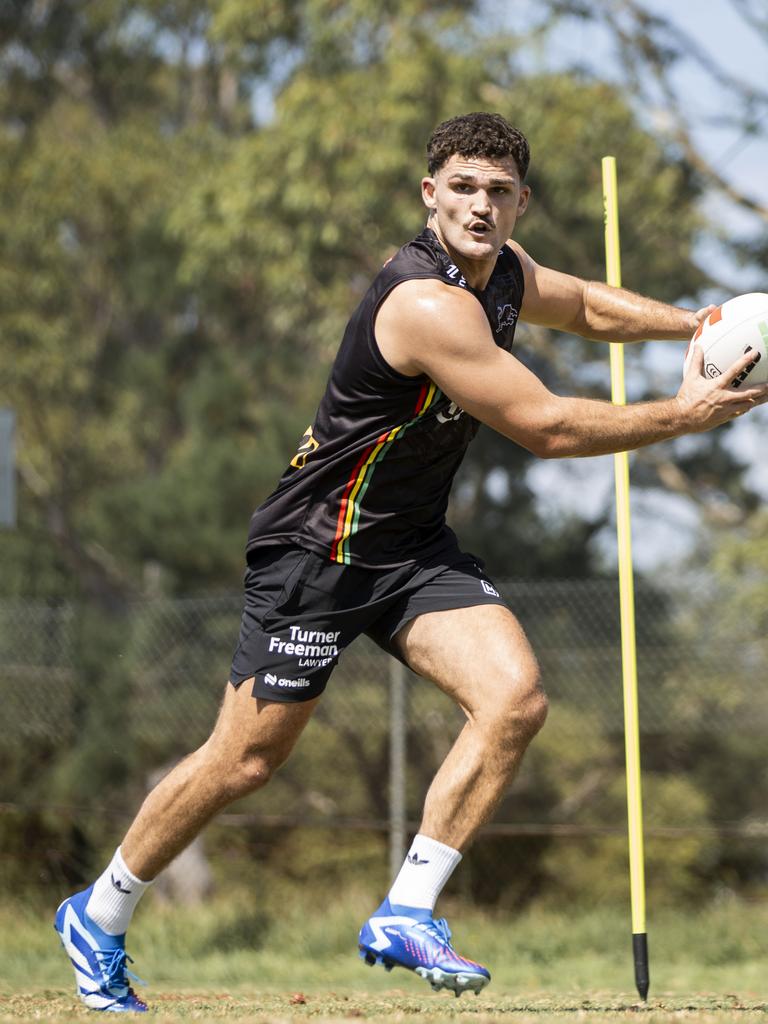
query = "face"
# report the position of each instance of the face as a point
(474, 204)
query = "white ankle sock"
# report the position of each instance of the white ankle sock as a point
(114, 897)
(425, 871)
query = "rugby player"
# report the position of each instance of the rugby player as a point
(354, 540)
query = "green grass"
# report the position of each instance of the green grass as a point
(267, 958)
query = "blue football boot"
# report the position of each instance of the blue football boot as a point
(408, 937)
(99, 959)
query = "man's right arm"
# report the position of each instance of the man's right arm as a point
(427, 327)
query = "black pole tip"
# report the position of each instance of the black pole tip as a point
(640, 952)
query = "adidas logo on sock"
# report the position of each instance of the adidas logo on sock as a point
(414, 858)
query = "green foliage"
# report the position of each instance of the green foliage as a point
(739, 560)
(674, 867)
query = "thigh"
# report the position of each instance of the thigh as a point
(461, 583)
(480, 656)
(247, 726)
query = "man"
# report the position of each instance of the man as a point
(353, 540)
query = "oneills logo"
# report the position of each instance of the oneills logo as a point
(307, 446)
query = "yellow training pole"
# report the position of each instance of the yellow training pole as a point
(627, 603)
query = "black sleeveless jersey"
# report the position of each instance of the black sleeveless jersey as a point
(369, 484)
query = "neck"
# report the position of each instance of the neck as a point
(477, 273)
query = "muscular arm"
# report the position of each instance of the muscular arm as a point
(598, 311)
(432, 328)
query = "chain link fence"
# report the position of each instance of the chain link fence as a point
(95, 708)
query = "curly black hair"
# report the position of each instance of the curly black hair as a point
(477, 134)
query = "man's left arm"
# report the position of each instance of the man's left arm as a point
(599, 311)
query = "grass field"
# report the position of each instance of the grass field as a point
(281, 962)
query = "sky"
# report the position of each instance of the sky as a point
(664, 525)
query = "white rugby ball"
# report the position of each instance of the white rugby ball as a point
(728, 331)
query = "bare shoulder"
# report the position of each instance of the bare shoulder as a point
(425, 297)
(421, 315)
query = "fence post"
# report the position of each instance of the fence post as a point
(7, 468)
(397, 756)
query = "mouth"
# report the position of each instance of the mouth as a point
(479, 228)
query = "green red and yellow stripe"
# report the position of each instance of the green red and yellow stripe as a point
(357, 485)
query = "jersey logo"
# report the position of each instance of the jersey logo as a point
(307, 446)
(456, 275)
(507, 316)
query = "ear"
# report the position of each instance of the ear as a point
(522, 203)
(428, 193)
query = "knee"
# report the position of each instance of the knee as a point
(535, 707)
(243, 772)
(521, 712)
(253, 771)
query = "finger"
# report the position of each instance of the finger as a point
(756, 393)
(737, 406)
(702, 314)
(695, 365)
(757, 397)
(738, 372)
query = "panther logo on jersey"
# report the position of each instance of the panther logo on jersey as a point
(507, 315)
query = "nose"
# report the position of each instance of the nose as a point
(481, 204)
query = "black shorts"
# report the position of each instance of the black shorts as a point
(302, 610)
